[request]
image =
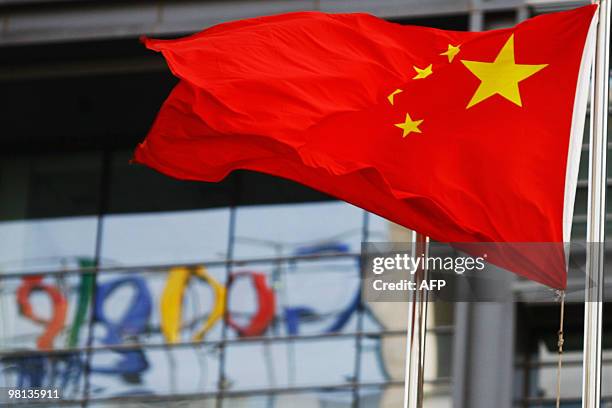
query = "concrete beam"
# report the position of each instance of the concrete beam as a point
(49, 21)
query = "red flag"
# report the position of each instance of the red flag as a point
(464, 137)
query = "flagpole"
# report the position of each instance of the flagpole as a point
(417, 326)
(591, 375)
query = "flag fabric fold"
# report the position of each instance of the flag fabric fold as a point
(464, 137)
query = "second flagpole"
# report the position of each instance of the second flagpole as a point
(417, 330)
(596, 218)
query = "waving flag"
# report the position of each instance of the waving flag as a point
(464, 137)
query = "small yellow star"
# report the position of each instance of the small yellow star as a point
(422, 73)
(392, 95)
(451, 52)
(409, 125)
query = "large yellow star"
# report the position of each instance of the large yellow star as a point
(451, 52)
(409, 125)
(423, 73)
(501, 76)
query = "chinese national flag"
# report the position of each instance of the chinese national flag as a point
(464, 137)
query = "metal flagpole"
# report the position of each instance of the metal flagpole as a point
(591, 375)
(417, 326)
